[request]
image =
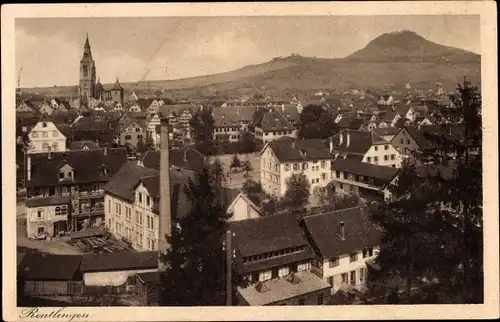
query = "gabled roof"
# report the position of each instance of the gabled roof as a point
(126, 179)
(365, 169)
(360, 232)
(79, 145)
(419, 134)
(184, 158)
(117, 86)
(44, 171)
(50, 267)
(119, 261)
(267, 234)
(288, 149)
(359, 141)
(273, 120)
(383, 131)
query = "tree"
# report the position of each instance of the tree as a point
(202, 125)
(196, 269)
(235, 162)
(247, 142)
(251, 187)
(433, 227)
(247, 167)
(317, 123)
(331, 201)
(297, 191)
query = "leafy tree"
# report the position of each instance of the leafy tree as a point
(247, 142)
(297, 191)
(433, 227)
(247, 167)
(235, 162)
(202, 125)
(251, 187)
(331, 201)
(317, 123)
(196, 270)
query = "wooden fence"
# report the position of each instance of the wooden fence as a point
(53, 287)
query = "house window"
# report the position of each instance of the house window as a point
(369, 159)
(45, 134)
(34, 134)
(61, 175)
(319, 299)
(333, 262)
(139, 137)
(337, 174)
(402, 141)
(407, 141)
(330, 281)
(45, 146)
(393, 156)
(304, 166)
(344, 278)
(287, 167)
(147, 200)
(362, 274)
(303, 267)
(284, 271)
(386, 147)
(55, 146)
(376, 148)
(150, 222)
(323, 164)
(41, 230)
(295, 166)
(353, 278)
(55, 133)
(323, 176)
(386, 157)
(264, 276)
(139, 196)
(353, 257)
(40, 212)
(375, 159)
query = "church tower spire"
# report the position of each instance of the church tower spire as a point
(87, 73)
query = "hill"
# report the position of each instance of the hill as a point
(392, 59)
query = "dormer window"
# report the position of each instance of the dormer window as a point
(44, 124)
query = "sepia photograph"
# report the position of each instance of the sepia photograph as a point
(240, 160)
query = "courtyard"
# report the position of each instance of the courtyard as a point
(234, 178)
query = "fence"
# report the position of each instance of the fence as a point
(53, 287)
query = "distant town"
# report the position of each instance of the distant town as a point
(309, 197)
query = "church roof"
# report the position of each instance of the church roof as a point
(117, 85)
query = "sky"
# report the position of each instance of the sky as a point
(133, 49)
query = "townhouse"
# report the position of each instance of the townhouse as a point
(414, 138)
(343, 242)
(46, 136)
(274, 265)
(131, 203)
(285, 156)
(65, 189)
(368, 181)
(183, 158)
(133, 132)
(272, 125)
(366, 147)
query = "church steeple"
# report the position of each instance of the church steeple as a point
(87, 73)
(87, 53)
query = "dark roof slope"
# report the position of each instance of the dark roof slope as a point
(273, 120)
(359, 141)
(381, 131)
(360, 232)
(185, 158)
(119, 261)
(79, 145)
(123, 183)
(50, 267)
(419, 134)
(288, 149)
(86, 165)
(365, 169)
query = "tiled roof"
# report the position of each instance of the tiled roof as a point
(282, 289)
(419, 134)
(383, 131)
(359, 141)
(267, 234)
(86, 165)
(117, 86)
(50, 267)
(119, 261)
(47, 201)
(185, 158)
(273, 120)
(360, 232)
(350, 123)
(288, 149)
(79, 145)
(123, 183)
(365, 169)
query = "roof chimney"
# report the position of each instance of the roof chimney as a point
(283, 107)
(49, 155)
(165, 222)
(341, 139)
(342, 230)
(106, 149)
(348, 137)
(331, 145)
(28, 168)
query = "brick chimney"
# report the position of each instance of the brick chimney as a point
(347, 139)
(331, 145)
(165, 216)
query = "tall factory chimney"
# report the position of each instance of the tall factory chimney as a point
(165, 221)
